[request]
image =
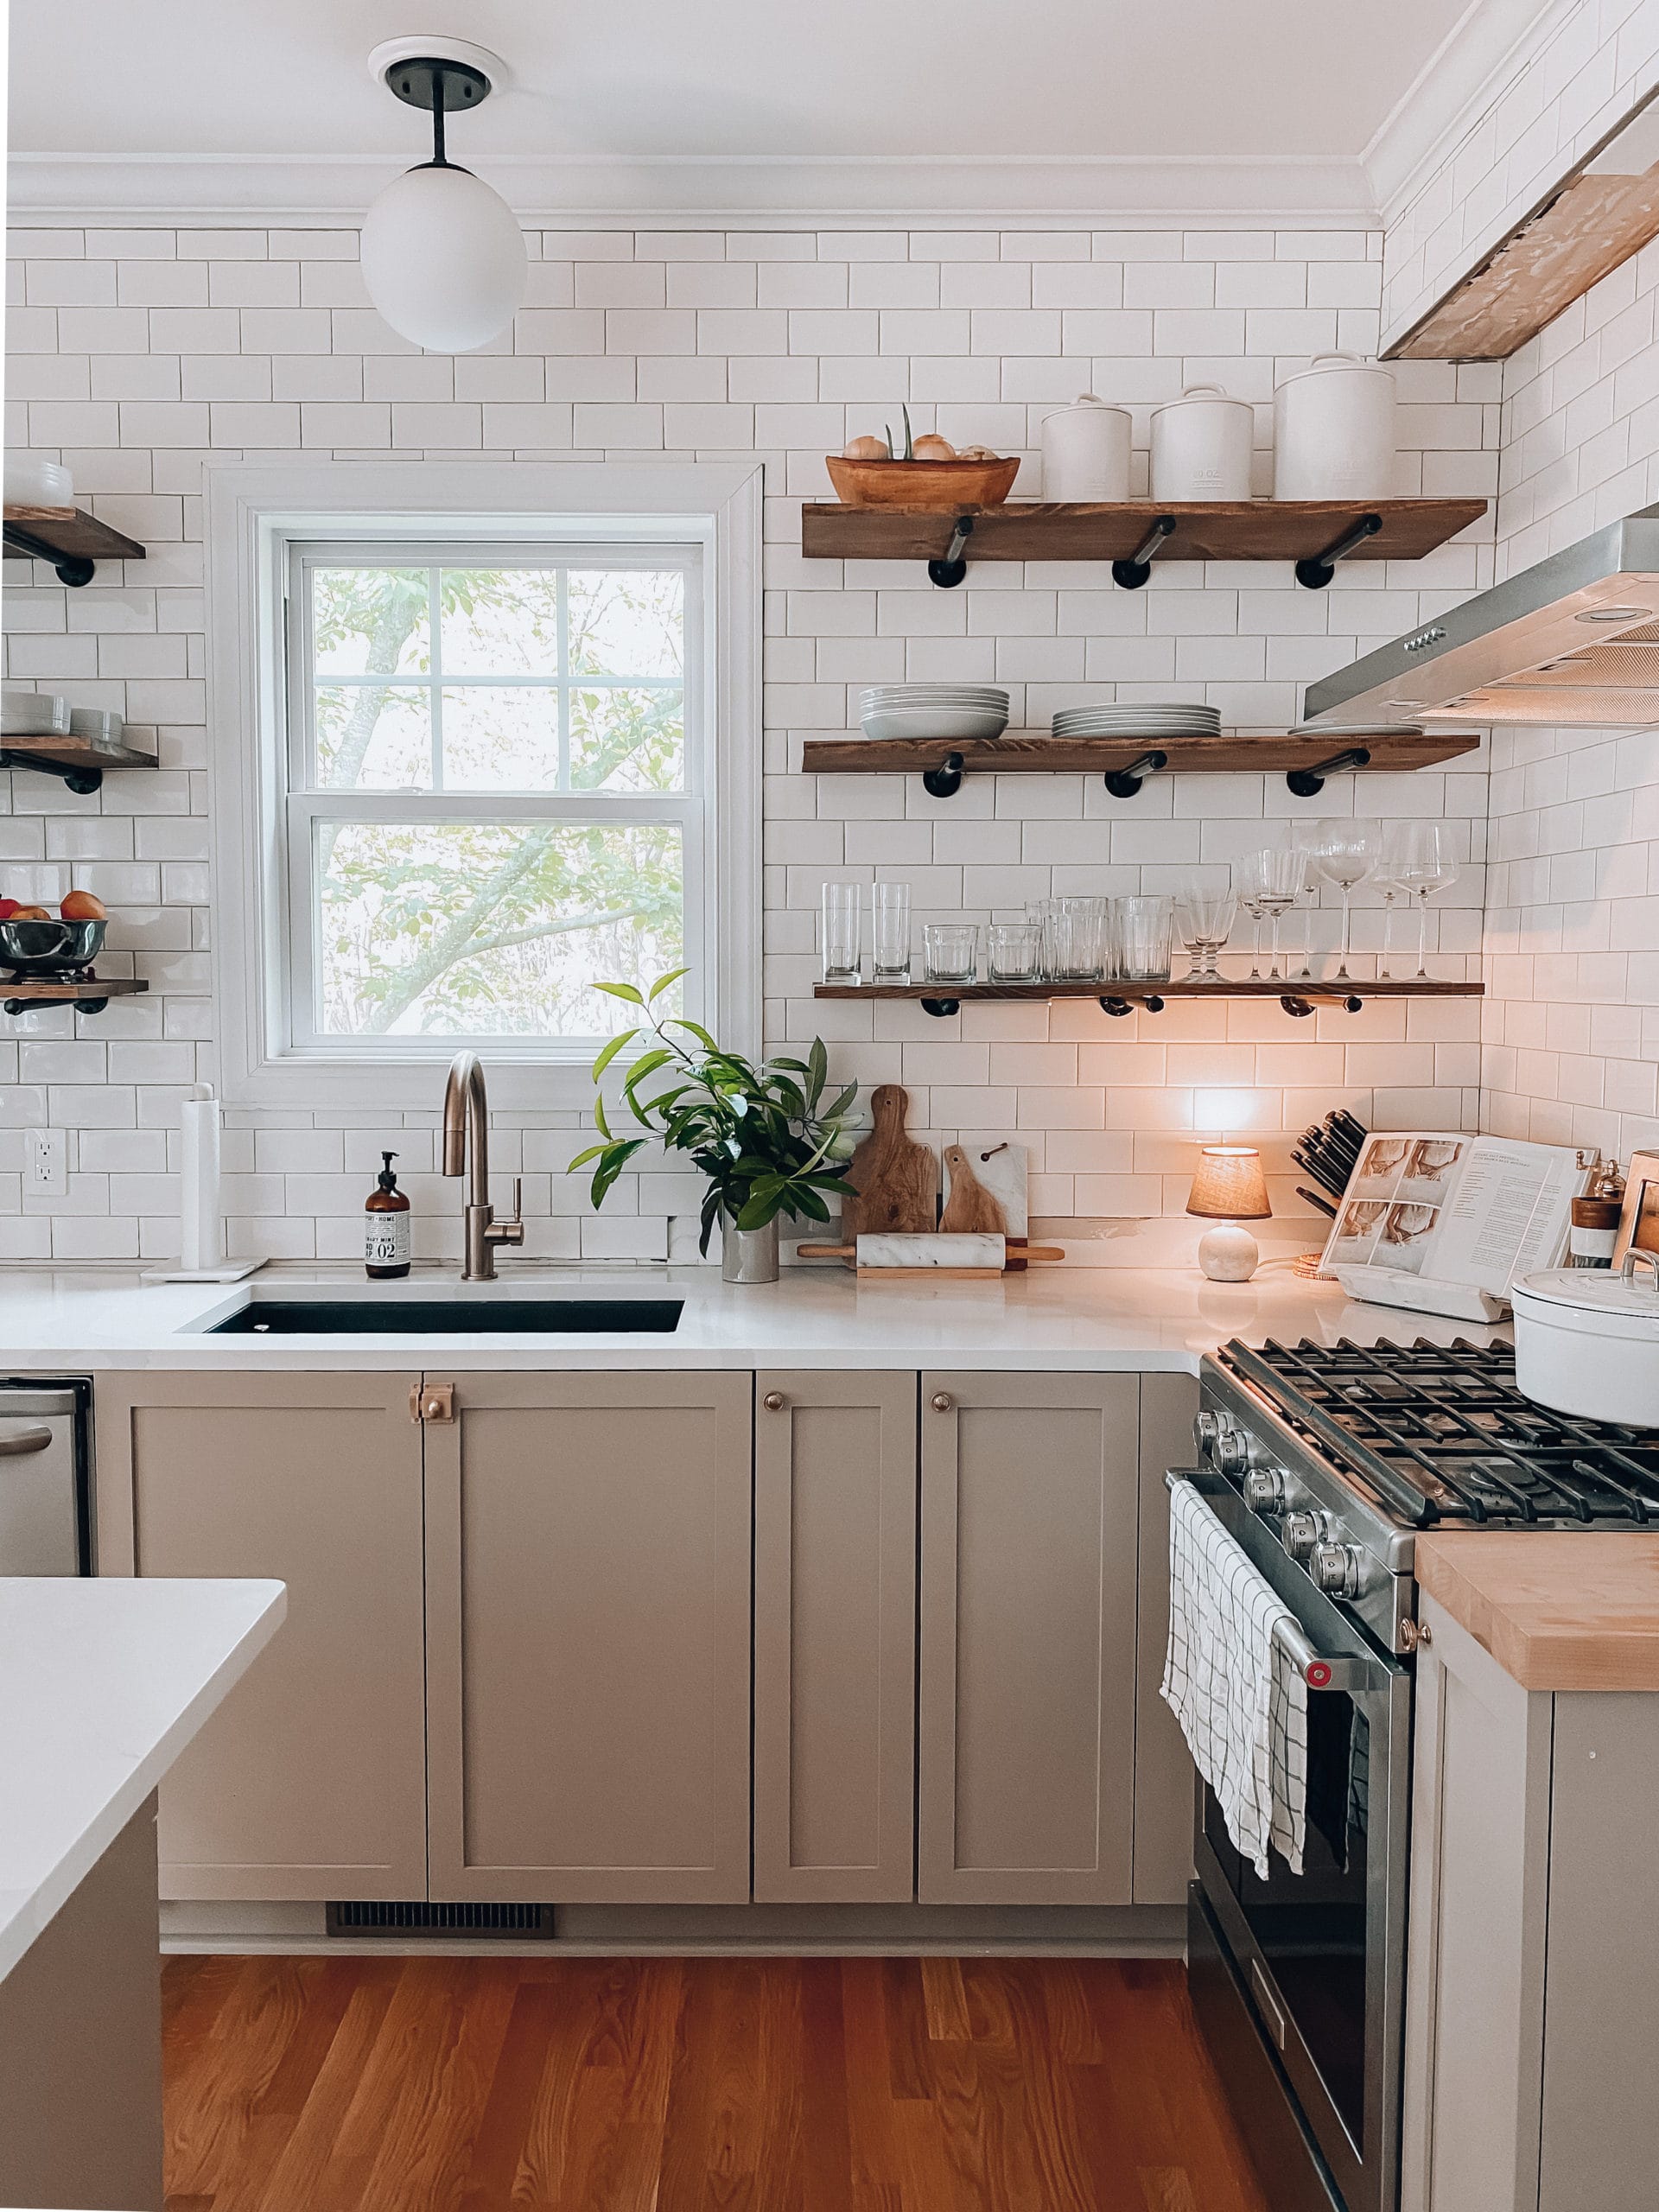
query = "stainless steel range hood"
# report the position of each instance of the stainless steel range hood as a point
(1573, 640)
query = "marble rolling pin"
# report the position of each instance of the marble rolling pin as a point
(933, 1255)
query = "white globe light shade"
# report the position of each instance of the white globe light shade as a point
(444, 259)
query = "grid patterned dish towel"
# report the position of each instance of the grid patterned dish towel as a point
(1241, 1705)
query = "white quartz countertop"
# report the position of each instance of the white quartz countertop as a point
(1093, 1319)
(102, 1685)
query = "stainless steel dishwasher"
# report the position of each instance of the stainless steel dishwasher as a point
(45, 1497)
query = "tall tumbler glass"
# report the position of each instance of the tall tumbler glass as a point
(1145, 926)
(838, 942)
(890, 932)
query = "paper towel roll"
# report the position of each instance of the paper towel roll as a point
(201, 1222)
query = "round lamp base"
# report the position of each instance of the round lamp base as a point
(1228, 1253)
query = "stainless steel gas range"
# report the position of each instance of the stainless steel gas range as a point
(1322, 1461)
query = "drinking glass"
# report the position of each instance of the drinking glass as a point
(1042, 911)
(1247, 886)
(1143, 940)
(1205, 916)
(951, 951)
(1344, 854)
(1387, 877)
(1429, 864)
(1304, 840)
(1014, 952)
(840, 933)
(890, 932)
(1279, 873)
(1076, 930)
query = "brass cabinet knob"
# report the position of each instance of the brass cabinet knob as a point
(774, 1401)
(943, 1401)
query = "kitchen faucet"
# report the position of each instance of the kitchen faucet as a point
(466, 1121)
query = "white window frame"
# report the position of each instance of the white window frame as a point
(256, 516)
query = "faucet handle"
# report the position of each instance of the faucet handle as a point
(510, 1232)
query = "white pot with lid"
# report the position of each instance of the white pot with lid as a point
(1333, 430)
(1086, 451)
(1586, 1340)
(1201, 446)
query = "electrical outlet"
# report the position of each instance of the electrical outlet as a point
(47, 1175)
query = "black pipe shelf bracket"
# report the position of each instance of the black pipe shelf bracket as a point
(1125, 782)
(1117, 1007)
(948, 572)
(1300, 1003)
(1314, 574)
(1130, 575)
(941, 1009)
(945, 780)
(1308, 783)
(74, 569)
(82, 781)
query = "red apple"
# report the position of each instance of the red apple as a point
(8, 908)
(83, 906)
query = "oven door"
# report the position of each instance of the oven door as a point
(1322, 1954)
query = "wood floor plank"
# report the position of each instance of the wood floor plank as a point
(492, 2084)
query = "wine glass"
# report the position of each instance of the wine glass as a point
(1345, 853)
(1279, 873)
(1205, 916)
(1304, 843)
(1429, 864)
(1387, 877)
(1247, 884)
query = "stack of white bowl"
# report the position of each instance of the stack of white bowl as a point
(1174, 718)
(890, 710)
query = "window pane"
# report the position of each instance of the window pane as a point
(373, 737)
(492, 929)
(369, 621)
(623, 740)
(628, 622)
(500, 738)
(499, 621)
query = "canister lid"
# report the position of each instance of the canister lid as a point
(1324, 364)
(1204, 394)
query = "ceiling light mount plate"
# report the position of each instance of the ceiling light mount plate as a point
(420, 70)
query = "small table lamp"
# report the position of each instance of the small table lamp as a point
(1229, 1188)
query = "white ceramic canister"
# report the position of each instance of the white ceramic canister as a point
(1086, 451)
(1201, 446)
(1333, 430)
(1586, 1342)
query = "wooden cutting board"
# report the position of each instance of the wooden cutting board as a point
(985, 1190)
(897, 1179)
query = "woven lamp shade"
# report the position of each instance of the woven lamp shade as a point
(1229, 1184)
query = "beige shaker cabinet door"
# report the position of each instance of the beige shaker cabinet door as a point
(1165, 1781)
(1027, 1700)
(588, 1543)
(310, 1782)
(835, 1639)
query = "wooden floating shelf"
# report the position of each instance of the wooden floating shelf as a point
(74, 541)
(1042, 755)
(91, 997)
(80, 764)
(1033, 530)
(1297, 995)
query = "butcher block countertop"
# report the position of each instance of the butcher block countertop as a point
(1558, 1612)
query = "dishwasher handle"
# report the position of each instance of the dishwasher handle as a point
(16, 1443)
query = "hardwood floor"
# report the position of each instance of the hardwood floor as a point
(691, 2085)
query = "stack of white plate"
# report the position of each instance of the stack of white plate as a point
(32, 714)
(1175, 719)
(933, 711)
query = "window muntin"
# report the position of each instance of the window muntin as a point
(495, 791)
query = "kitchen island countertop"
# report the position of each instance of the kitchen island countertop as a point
(1567, 1610)
(1084, 1319)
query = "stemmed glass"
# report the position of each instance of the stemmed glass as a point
(1247, 882)
(1345, 853)
(1387, 877)
(1205, 918)
(1279, 875)
(1429, 864)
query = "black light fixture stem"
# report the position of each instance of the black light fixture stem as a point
(440, 161)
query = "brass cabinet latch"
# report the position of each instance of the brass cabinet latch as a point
(432, 1401)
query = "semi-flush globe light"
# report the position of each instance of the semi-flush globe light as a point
(443, 256)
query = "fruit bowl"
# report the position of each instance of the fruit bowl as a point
(945, 485)
(65, 949)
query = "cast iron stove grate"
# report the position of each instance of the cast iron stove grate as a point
(1441, 1433)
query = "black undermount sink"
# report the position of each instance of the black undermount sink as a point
(446, 1317)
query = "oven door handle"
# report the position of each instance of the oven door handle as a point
(17, 1443)
(1347, 1671)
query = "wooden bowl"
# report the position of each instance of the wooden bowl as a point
(942, 484)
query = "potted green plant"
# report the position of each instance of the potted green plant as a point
(761, 1134)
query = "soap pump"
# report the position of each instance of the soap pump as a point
(385, 1231)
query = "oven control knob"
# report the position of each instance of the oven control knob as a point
(1303, 1533)
(1336, 1569)
(1264, 1490)
(1207, 1428)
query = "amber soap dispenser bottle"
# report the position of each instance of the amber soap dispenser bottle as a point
(385, 1226)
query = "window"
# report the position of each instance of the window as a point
(495, 788)
(475, 764)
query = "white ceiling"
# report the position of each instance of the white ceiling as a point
(933, 95)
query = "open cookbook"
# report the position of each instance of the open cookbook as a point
(1446, 1222)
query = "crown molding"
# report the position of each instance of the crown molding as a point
(753, 191)
(1486, 49)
